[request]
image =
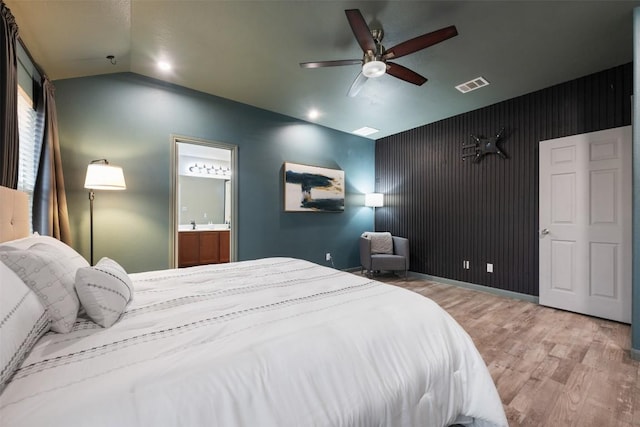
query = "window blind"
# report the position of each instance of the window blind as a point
(28, 144)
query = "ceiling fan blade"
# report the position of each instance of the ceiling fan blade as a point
(421, 42)
(320, 64)
(403, 73)
(357, 84)
(360, 30)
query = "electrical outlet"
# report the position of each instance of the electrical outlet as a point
(465, 264)
(489, 268)
(327, 256)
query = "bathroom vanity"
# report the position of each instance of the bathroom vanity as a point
(198, 247)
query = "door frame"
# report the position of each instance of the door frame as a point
(173, 221)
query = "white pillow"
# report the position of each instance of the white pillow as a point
(72, 259)
(104, 291)
(381, 241)
(52, 282)
(23, 320)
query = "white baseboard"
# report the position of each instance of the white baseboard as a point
(481, 288)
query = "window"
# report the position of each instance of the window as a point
(29, 145)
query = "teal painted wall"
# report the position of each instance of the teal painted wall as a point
(635, 303)
(128, 119)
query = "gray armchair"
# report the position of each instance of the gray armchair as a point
(398, 261)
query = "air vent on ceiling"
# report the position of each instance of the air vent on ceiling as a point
(473, 84)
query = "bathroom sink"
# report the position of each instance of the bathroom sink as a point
(212, 227)
(202, 227)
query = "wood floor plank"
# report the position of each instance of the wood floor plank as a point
(546, 394)
(564, 370)
(551, 367)
(546, 368)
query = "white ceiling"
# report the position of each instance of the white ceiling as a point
(249, 51)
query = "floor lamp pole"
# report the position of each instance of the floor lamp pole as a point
(374, 218)
(91, 197)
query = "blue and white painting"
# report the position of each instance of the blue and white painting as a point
(313, 189)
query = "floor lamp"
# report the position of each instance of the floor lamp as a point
(374, 200)
(101, 176)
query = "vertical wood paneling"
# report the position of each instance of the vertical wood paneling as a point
(487, 212)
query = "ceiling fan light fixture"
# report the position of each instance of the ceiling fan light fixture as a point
(373, 69)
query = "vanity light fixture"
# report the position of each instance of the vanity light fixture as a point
(101, 176)
(209, 170)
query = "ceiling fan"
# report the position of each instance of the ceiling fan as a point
(375, 61)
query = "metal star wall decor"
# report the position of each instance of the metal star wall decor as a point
(483, 146)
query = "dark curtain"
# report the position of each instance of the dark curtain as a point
(8, 99)
(50, 214)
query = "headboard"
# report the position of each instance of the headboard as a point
(14, 214)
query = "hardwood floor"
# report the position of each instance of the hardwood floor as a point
(551, 367)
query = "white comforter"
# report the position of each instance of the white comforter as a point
(272, 342)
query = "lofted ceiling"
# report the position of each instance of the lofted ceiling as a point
(249, 51)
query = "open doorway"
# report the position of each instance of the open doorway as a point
(204, 202)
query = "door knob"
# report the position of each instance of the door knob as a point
(544, 232)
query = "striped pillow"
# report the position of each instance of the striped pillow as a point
(48, 276)
(104, 291)
(72, 259)
(23, 320)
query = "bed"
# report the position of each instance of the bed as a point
(267, 342)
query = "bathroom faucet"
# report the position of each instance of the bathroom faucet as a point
(193, 224)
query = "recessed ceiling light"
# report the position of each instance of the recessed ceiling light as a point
(313, 114)
(164, 65)
(365, 131)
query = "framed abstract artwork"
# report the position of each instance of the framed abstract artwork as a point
(313, 189)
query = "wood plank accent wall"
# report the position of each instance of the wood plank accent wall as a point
(487, 212)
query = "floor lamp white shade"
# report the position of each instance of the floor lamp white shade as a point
(101, 176)
(374, 200)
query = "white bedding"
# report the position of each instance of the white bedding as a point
(272, 342)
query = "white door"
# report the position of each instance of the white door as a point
(585, 223)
